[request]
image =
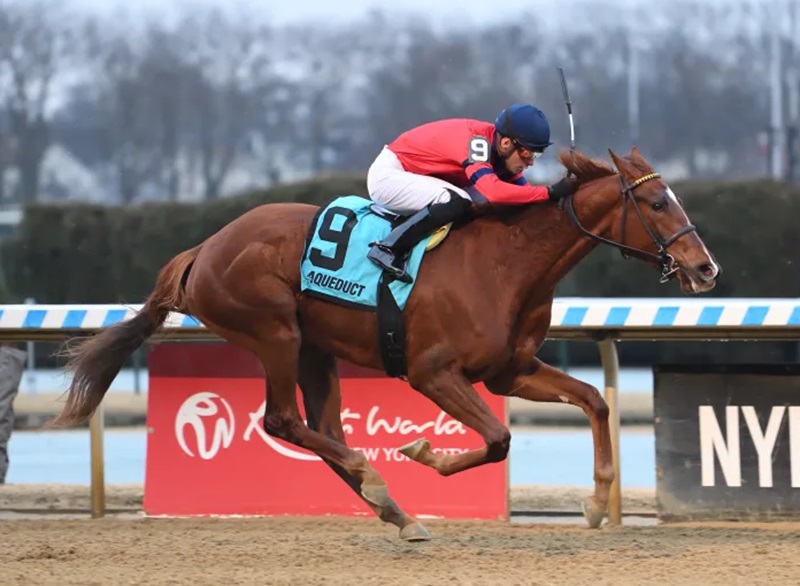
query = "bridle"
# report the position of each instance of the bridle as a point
(666, 261)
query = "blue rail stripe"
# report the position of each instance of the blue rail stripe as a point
(755, 316)
(74, 319)
(617, 316)
(574, 316)
(34, 318)
(190, 322)
(709, 316)
(665, 316)
(114, 316)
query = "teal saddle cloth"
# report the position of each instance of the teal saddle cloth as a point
(335, 264)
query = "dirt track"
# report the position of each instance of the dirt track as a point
(129, 549)
(363, 551)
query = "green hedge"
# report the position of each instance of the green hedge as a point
(82, 253)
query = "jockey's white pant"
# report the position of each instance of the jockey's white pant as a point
(402, 192)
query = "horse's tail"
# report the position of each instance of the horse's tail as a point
(95, 361)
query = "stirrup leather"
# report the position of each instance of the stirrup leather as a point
(383, 247)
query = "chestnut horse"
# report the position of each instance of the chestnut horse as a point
(479, 312)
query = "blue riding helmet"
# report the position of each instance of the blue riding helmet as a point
(526, 124)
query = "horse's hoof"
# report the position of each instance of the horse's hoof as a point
(415, 532)
(376, 494)
(415, 448)
(593, 512)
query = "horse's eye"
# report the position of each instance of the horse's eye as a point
(658, 206)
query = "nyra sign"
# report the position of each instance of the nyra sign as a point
(727, 442)
(721, 444)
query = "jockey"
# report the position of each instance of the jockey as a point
(434, 172)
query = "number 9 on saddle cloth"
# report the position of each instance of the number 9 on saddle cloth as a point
(352, 229)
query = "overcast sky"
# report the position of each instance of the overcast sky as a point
(282, 11)
(438, 13)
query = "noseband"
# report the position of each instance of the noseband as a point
(668, 264)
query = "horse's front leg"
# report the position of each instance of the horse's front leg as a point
(541, 382)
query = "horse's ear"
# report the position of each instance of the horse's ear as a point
(624, 167)
(619, 162)
(637, 156)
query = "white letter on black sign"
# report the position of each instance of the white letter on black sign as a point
(712, 440)
(764, 443)
(794, 444)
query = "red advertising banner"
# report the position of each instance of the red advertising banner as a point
(208, 453)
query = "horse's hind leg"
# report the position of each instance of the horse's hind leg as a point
(319, 383)
(279, 353)
(547, 384)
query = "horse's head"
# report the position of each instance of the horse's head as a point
(649, 222)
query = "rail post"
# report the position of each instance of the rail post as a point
(98, 488)
(610, 361)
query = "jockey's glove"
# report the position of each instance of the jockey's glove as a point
(562, 188)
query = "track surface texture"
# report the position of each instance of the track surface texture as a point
(346, 551)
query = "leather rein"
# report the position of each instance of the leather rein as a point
(668, 264)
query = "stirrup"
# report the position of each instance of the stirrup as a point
(400, 274)
(387, 264)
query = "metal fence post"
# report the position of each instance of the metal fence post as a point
(610, 361)
(98, 488)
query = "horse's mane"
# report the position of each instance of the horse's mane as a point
(585, 168)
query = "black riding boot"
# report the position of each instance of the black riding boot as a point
(413, 230)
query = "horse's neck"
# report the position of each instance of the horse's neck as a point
(555, 245)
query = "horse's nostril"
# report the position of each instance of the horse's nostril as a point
(708, 271)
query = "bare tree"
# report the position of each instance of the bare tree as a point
(124, 106)
(275, 123)
(36, 42)
(426, 82)
(5, 155)
(231, 59)
(333, 71)
(707, 96)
